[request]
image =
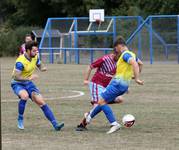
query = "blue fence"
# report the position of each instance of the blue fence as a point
(74, 39)
(148, 22)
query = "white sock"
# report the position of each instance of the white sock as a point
(88, 118)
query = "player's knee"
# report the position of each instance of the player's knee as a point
(39, 102)
(119, 99)
(102, 102)
(24, 95)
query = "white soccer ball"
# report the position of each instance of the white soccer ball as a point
(128, 120)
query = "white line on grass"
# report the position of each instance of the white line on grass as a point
(79, 93)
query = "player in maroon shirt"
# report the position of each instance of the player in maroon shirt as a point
(105, 69)
(27, 39)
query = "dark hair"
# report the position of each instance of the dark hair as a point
(30, 44)
(27, 35)
(120, 40)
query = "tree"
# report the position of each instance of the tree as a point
(36, 12)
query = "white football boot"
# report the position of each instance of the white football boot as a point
(114, 128)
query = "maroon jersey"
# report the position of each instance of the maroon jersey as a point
(22, 49)
(106, 68)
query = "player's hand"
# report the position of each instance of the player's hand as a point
(140, 82)
(44, 69)
(33, 77)
(85, 82)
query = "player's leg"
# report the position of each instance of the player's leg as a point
(93, 113)
(20, 91)
(95, 97)
(103, 106)
(83, 124)
(110, 116)
(117, 100)
(112, 91)
(38, 99)
(98, 107)
(24, 96)
(95, 91)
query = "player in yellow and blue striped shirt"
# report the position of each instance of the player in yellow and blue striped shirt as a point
(128, 67)
(24, 88)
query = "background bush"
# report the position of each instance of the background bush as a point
(11, 39)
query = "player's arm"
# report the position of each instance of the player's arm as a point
(41, 66)
(135, 67)
(95, 64)
(130, 60)
(87, 75)
(18, 71)
(140, 63)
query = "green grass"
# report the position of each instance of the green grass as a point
(155, 106)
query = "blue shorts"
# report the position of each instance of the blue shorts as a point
(95, 92)
(29, 86)
(113, 90)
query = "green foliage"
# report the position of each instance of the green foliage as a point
(16, 14)
(11, 39)
(36, 12)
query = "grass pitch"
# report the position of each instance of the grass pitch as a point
(155, 106)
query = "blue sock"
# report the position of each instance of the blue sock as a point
(108, 112)
(95, 111)
(49, 114)
(21, 108)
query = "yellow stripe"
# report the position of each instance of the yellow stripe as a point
(29, 66)
(124, 71)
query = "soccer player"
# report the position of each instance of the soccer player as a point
(127, 68)
(24, 88)
(22, 48)
(106, 69)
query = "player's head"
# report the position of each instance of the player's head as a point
(119, 44)
(28, 38)
(31, 48)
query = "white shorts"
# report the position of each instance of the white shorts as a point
(95, 92)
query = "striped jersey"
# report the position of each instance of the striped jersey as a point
(22, 49)
(106, 68)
